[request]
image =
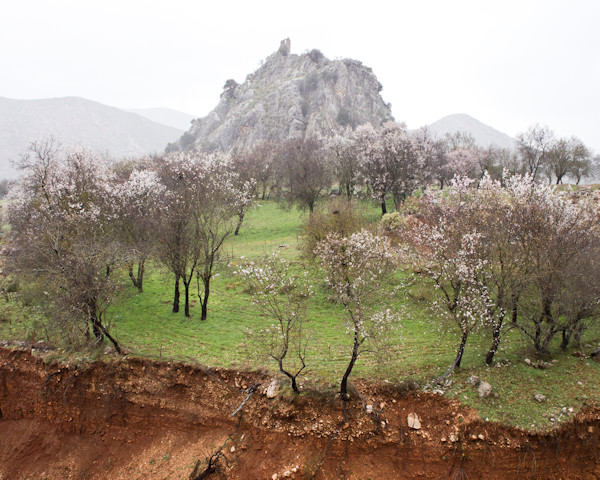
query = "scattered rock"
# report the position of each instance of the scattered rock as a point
(480, 437)
(473, 380)
(232, 449)
(109, 350)
(540, 397)
(527, 361)
(484, 390)
(273, 389)
(369, 409)
(454, 437)
(413, 421)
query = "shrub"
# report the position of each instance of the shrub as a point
(339, 215)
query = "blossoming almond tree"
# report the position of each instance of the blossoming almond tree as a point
(391, 161)
(356, 268)
(137, 199)
(62, 237)
(447, 240)
(281, 295)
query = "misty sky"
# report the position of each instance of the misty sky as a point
(507, 63)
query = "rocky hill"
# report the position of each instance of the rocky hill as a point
(483, 134)
(73, 120)
(289, 96)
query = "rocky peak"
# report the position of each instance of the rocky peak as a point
(290, 95)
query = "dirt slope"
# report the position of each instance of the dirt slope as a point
(138, 419)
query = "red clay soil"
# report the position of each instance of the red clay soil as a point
(139, 419)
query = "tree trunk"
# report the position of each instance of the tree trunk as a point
(204, 300)
(383, 208)
(186, 286)
(566, 338)
(176, 295)
(140, 275)
(97, 324)
(344, 384)
(461, 350)
(239, 223)
(457, 360)
(489, 358)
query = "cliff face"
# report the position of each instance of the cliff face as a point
(289, 96)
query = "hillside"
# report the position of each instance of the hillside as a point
(289, 96)
(73, 120)
(165, 116)
(483, 134)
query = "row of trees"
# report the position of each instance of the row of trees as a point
(508, 255)
(392, 162)
(76, 224)
(542, 155)
(498, 255)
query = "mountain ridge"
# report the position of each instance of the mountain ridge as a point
(74, 120)
(484, 135)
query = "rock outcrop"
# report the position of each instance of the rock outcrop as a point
(289, 96)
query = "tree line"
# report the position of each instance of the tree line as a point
(502, 250)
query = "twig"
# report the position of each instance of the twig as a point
(250, 391)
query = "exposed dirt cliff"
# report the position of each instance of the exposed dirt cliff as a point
(140, 419)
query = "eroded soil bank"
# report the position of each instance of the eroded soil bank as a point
(139, 419)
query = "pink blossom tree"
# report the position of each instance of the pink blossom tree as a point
(391, 162)
(138, 194)
(356, 268)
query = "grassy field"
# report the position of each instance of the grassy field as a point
(420, 349)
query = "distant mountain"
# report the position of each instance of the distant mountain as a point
(77, 121)
(289, 96)
(166, 116)
(483, 134)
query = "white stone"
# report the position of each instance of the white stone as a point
(484, 390)
(273, 389)
(540, 397)
(413, 421)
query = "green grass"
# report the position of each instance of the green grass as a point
(420, 348)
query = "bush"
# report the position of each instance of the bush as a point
(392, 221)
(339, 215)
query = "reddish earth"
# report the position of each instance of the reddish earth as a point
(139, 419)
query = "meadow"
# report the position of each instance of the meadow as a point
(420, 348)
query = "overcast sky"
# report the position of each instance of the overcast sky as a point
(507, 63)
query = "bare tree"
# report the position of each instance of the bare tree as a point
(303, 172)
(342, 151)
(533, 147)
